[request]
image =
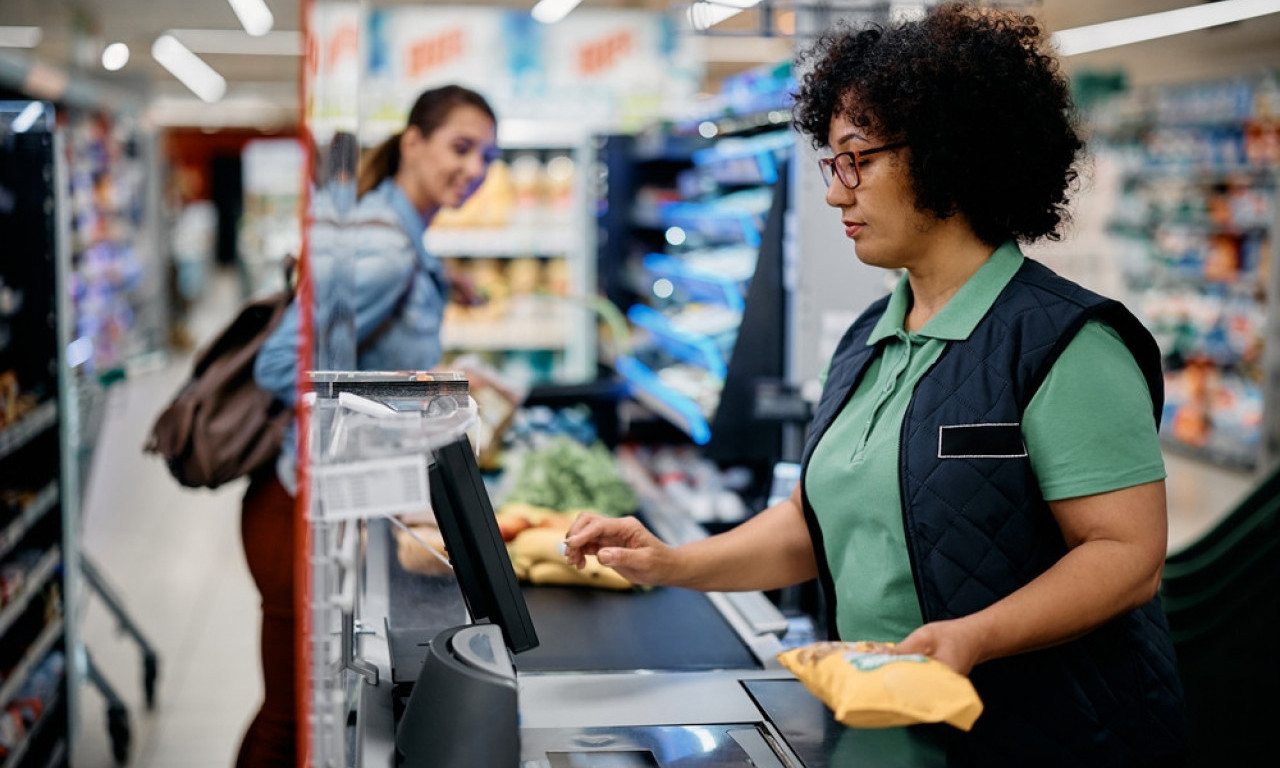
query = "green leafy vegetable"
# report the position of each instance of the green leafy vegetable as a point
(566, 475)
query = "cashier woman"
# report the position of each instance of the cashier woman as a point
(982, 480)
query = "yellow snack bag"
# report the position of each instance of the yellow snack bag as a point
(868, 688)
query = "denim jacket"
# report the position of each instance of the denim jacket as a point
(397, 292)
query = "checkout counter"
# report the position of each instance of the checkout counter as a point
(646, 679)
(654, 678)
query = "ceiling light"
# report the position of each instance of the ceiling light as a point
(254, 16)
(551, 11)
(1111, 34)
(27, 117)
(189, 68)
(235, 41)
(115, 56)
(708, 13)
(20, 37)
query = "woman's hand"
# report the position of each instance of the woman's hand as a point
(951, 642)
(624, 545)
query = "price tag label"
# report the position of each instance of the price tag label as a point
(365, 489)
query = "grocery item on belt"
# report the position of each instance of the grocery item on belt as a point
(536, 557)
(867, 687)
(416, 558)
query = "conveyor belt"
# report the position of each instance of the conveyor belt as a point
(581, 630)
(590, 630)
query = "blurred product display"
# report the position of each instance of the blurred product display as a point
(522, 241)
(38, 412)
(1194, 228)
(116, 284)
(703, 194)
(270, 226)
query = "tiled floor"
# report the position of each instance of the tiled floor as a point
(174, 556)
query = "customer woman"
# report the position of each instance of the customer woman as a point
(982, 481)
(396, 292)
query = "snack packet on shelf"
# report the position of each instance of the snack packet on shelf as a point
(868, 687)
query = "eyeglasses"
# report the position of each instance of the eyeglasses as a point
(847, 165)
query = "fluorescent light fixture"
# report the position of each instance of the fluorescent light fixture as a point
(1111, 34)
(551, 11)
(236, 42)
(708, 13)
(254, 16)
(27, 117)
(189, 68)
(20, 37)
(115, 56)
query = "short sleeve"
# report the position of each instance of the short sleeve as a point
(1090, 428)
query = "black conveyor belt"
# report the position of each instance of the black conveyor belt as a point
(592, 630)
(579, 629)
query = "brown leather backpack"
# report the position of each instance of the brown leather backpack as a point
(221, 425)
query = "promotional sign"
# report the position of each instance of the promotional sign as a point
(592, 67)
(333, 69)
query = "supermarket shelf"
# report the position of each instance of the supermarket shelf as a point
(649, 390)
(35, 654)
(702, 285)
(505, 336)
(18, 753)
(19, 434)
(714, 221)
(31, 514)
(1144, 228)
(689, 347)
(1208, 455)
(745, 161)
(512, 242)
(40, 575)
(1202, 174)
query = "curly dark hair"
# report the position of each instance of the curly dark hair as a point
(984, 107)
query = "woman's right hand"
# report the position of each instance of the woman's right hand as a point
(623, 544)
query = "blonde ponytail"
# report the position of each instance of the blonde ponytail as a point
(378, 164)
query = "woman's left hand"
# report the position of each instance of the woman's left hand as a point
(951, 642)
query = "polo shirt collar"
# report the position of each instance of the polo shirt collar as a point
(964, 310)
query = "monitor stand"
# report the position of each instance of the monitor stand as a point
(463, 710)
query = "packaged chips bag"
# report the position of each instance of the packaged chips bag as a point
(866, 687)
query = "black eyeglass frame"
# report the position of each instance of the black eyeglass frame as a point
(830, 170)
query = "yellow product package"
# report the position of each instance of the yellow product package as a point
(868, 688)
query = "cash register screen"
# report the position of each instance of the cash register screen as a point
(476, 550)
(636, 759)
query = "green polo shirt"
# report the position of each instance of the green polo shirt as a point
(1088, 430)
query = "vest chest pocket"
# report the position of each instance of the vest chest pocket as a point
(981, 441)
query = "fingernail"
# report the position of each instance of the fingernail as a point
(605, 556)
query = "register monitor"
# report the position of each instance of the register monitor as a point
(462, 711)
(476, 550)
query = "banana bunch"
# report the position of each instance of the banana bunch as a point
(536, 556)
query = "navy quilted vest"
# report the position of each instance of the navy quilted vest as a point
(978, 529)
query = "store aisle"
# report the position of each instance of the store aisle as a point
(174, 556)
